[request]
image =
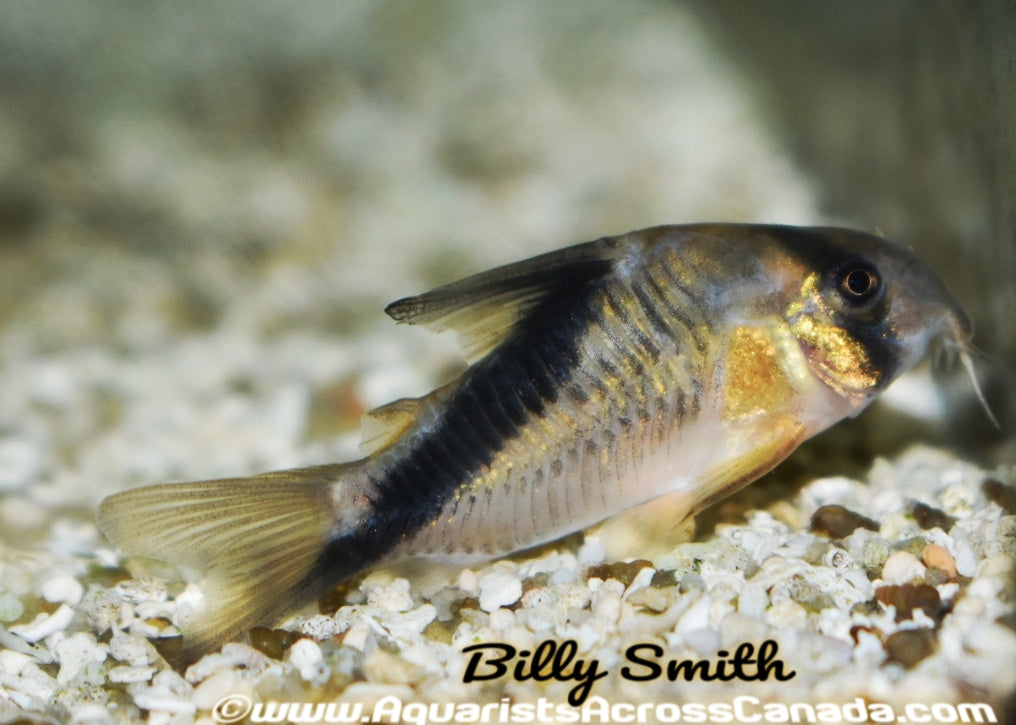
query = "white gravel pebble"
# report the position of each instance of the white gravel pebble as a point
(753, 600)
(606, 601)
(502, 619)
(902, 567)
(360, 637)
(469, 582)
(45, 624)
(305, 655)
(33, 682)
(592, 551)
(89, 712)
(160, 699)
(75, 652)
(220, 685)
(696, 616)
(128, 674)
(168, 693)
(11, 662)
(147, 589)
(409, 625)
(62, 587)
(234, 654)
(963, 552)
(133, 651)
(395, 596)
(320, 626)
(787, 613)
(499, 589)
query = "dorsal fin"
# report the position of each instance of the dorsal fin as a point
(484, 309)
(382, 426)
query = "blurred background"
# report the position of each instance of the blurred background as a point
(205, 207)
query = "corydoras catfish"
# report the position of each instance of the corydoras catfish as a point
(665, 368)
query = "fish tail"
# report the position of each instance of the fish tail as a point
(256, 540)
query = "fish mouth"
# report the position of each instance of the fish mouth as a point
(955, 329)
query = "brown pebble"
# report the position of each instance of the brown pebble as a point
(169, 647)
(855, 632)
(624, 571)
(837, 522)
(331, 601)
(466, 603)
(273, 642)
(910, 646)
(928, 517)
(1004, 496)
(938, 557)
(664, 578)
(908, 597)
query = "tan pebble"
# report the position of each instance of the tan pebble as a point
(938, 557)
(654, 599)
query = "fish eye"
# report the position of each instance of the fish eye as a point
(858, 283)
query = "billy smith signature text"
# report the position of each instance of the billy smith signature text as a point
(557, 661)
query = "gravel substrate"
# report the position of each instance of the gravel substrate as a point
(195, 290)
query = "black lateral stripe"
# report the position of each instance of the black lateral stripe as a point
(488, 406)
(512, 381)
(495, 396)
(473, 414)
(459, 447)
(510, 404)
(547, 370)
(440, 462)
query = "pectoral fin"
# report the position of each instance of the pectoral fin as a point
(649, 530)
(655, 527)
(780, 438)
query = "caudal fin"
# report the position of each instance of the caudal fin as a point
(255, 539)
